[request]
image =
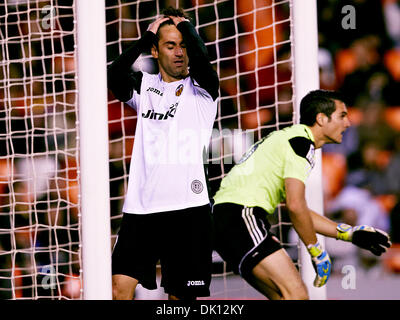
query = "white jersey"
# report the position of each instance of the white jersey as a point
(174, 127)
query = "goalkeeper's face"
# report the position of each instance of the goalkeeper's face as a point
(336, 124)
(171, 54)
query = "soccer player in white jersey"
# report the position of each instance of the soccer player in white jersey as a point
(167, 213)
(273, 171)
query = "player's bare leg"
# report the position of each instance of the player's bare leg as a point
(266, 287)
(123, 287)
(277, 278)
(172, 297)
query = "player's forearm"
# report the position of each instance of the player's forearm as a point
(194, 44)
(299, 211)
(303, 224)
(124, 62)
(323, 225)
(120, 78)
(200, 67)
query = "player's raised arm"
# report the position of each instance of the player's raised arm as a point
(121, 79)
(200, 67)
(153, 27)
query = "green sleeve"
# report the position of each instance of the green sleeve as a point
(295, 166)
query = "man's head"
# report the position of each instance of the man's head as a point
(169, 49)
(326, 112)
(170, 12)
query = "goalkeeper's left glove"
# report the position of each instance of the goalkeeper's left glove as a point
(321, 262)
(366, 237)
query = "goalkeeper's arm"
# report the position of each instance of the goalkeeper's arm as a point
(307, 222)
(300, 215)
(366, 237)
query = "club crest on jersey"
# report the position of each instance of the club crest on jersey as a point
(197, 186)
(179, 90)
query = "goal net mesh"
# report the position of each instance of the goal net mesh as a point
(249, 44)
(39, 174)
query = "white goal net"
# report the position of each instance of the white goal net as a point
(250, 46)
(39, 174)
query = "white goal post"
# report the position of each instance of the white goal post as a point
(93, 124)
(306, 72)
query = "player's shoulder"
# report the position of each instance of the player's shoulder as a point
(194, 83)
(151, 76)
(300, 140)
(285, 134)
(296, 138)
(152, 83)
(199, 91)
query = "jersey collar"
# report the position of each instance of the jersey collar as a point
(309, 133)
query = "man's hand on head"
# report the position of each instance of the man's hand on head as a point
(153, 27)
(177, 20)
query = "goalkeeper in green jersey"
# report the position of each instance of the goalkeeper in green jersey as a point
(275, 170)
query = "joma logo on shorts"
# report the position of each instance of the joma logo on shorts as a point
(195, 283)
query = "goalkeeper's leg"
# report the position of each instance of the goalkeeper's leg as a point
(277, 278)
(243, 239)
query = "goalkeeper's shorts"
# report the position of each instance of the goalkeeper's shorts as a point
(242, 236)
(180, 240)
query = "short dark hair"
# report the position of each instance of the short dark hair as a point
(318, 101)
(174, 12)
(167, 12)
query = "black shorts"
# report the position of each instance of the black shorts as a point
(181, 240)
(242, 236)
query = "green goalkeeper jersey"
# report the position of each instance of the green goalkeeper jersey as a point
(258, 179)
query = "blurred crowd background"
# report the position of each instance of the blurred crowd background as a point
(39, 150)
(361, 176)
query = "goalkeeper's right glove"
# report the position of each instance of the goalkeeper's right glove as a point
(321, 262)
(366, 237)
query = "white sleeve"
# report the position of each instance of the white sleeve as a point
(134, 101)
(207, 106)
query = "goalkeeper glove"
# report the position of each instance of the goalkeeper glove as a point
(366, 237)
(321, 262)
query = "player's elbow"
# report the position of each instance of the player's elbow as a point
(296, 206)
(120, 85)
(113, 74)
(215, 86)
